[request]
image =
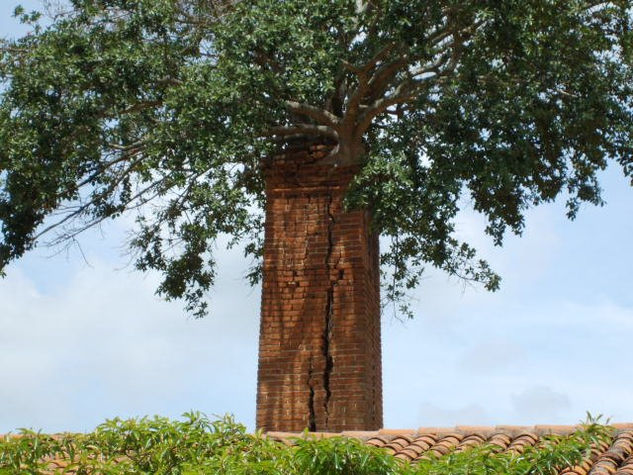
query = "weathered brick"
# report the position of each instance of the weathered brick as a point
(320, 356)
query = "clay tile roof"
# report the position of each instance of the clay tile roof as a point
(471, 440)
(500, 439)
(625, 426)
(446, 444)
(559, 430)
(379, 440)
(612, 459)
(524, 440)
(481, 431)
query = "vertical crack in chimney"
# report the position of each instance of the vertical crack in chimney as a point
(312, 417)
(329, 310)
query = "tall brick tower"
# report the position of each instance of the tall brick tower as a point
(319, 347)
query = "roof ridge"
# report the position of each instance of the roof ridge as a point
(537, 429)
(514, 430)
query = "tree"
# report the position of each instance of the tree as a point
(117, 105)
(170, 107)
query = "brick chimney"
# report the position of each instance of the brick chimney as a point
(319, 347)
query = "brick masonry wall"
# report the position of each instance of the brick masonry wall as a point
(319, 353)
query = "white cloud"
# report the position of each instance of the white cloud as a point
(540, 404)
(103, 345)
(492, 355)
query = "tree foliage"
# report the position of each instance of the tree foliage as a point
(168, 107)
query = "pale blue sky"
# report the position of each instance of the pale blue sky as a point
(80, 343)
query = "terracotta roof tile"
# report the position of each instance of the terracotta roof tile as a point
(558, 430)
(615, 458)
(379, 440)
(397, 431)
(519, 444)
(421, 444)
(627, 467)
(399, 442)
(501, 440)
(471, 440)
(611, 460)
(627, 426)
(359, 434)
(445, 445)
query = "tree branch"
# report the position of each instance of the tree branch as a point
(362, 72)
(381, 79)
(369, 65)
(139, 106)
(302, 129)
(128, 152)
(83, 208)
(405, 92)
(317, 114)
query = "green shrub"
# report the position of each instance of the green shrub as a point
(198, 445)
(342, 455)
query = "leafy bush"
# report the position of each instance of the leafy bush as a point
(551, 454)
(197, 445)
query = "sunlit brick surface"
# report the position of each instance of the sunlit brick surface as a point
(320, 358)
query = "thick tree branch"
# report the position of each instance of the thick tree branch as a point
(401, 95)
(317, 114)
(363, 75)
(447, 57)
(407, 90)
(302, 129)
(357, 96)
(434, 67)
(335, 102)
(366, 68)
(384, 76)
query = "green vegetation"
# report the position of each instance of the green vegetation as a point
(197, 445)
(118, 104)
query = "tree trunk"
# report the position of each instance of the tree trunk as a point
(319, 350)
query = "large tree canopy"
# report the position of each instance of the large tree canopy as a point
(169, 107)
